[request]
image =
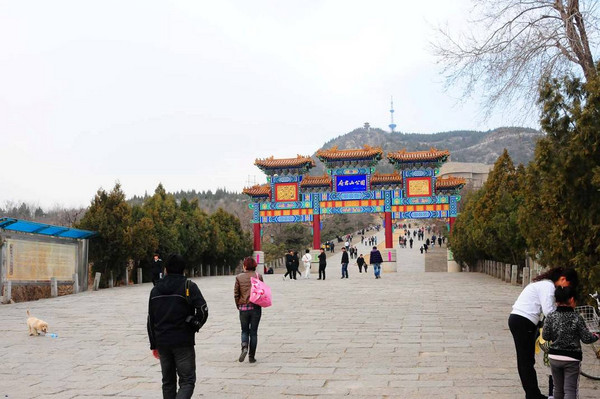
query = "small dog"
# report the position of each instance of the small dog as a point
(36, 325)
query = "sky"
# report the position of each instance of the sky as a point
(190, 93)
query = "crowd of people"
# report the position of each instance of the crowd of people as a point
(177, 309)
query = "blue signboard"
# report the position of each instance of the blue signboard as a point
(347, 183)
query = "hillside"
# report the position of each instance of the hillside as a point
(464, 145)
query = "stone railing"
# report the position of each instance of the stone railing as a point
(510, 273)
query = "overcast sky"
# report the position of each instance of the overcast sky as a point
(190, 93)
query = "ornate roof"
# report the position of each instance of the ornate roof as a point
(300, 161)
(333, 154)
(449, 182)
(258, 190)
(432, 154)
(316, 181)
(386, 178)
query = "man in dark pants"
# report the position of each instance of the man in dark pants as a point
(289, 264)
(176, 311)
(322, 264)
(345, 262)
(361, 262)
(157, 269)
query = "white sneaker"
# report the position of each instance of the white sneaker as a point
(283, 278)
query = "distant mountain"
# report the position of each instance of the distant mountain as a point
(464, 145)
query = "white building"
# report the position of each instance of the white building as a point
(475, 173)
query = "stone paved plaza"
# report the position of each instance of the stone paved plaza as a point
(407, 335)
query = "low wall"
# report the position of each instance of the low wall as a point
(510, 273)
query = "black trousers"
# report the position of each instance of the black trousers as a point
(289, 271)
(524, 335)
(178, 362)
(322, 271)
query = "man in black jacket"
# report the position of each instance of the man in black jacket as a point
(289, 264)
(176, 311)
(157, 269)
(345, 262)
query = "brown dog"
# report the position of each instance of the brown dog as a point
(36, 325)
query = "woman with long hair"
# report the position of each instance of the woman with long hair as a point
(250, 313)
(536, 298)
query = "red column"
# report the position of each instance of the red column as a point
(316, 231)
(388, 230)
(256, 236)
(451, 221)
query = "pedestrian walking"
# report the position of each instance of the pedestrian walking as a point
(250, 313)
(176, 312)
(157, 268)
(376, 260)
(361, 262)
(306, 258)
(566, 329)
(322, 265)
(289, 264)
(537, 297)
(345, 262)
(295, 265)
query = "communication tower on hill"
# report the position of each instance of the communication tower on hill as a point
(392, 125)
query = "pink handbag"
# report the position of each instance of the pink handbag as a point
(260, 293)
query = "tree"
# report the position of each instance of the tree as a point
(561, 221)
(144, 240)
(110, 216)
(193, 227)
(488, 226)
(161, 208)
(228, 243)
(514, 44)
(462, 242)
(495, 213)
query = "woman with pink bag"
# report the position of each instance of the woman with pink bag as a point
(250, 313)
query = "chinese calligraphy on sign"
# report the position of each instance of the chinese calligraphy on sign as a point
(286, 192)
(418, 187)
(347, 183)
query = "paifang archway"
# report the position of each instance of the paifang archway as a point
(352, 184)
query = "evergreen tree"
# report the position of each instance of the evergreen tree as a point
(488, 226)
(561, 216)
(193, 228)
(465, 248)
(110, 216)
(144, 240)
(161, 208)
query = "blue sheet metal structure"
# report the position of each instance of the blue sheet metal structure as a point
(25, 226)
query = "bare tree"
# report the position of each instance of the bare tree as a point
(511, 45)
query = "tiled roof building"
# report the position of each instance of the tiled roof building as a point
(300, 164)
(258, 190)
(366, 155)
(432, 155)
(449, 183)
(316, 181)
(386, 178)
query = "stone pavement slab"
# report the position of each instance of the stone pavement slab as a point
(406, 335)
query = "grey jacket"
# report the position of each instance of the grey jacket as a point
(565, 329)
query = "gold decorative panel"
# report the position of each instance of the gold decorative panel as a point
(286, 192)
(418, 187)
